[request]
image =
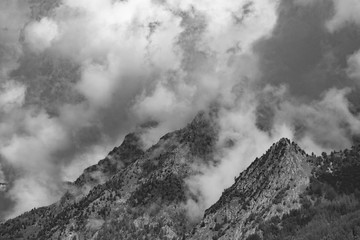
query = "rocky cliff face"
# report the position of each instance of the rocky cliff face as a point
(269, 187)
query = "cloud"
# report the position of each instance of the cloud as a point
(88, 72)
(315, 120)
(353, 69)
(128, 38)
(304, 2)
(12, 95)
(13, 16)
(284, 108)
(148, 61)
(40, 35)
(237, 125)
(27, 145)
(323, 125)
(34, 193)
(346, 12)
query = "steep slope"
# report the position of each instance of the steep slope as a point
(270, 187)
(144, 198)
(117, 159)
(330, 206)
(120, 157)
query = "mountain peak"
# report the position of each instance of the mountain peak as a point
(201, 134)
(284, 149)
(283, 142)
(129, 151)
(130, 148)
(269, 187)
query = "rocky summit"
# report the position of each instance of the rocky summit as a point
(269, 187)
(142, 194)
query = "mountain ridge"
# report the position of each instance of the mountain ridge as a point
(149, 181)
(118, 158)
(145, 195)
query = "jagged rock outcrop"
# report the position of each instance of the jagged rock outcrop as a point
(269, 187)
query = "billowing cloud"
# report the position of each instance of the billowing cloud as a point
(84, 73)
(237, 125)
(315, 119)
(40, 35)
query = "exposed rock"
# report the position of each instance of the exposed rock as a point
(269, 187)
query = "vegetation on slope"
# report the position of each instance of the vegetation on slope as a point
(330, 206)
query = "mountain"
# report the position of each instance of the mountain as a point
(269, 187)
(289, 195)
(330, 205)
(120, 157)
(142, 194)
(145, 196)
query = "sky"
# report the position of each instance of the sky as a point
(77, 76)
